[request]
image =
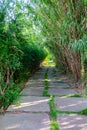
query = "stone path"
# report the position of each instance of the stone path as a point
(71, 104)
(64, 103)
(31, 104)
(72, 122)
(32, 112)
(25, 121)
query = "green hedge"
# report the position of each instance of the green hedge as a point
(33, 56)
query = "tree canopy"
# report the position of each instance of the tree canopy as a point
(27, 27)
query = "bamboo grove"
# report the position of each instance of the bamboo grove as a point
(64, 26)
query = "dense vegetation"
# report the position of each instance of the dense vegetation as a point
(64, 28)
(28, 26)
(20, 49)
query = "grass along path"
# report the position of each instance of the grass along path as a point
(53, 112)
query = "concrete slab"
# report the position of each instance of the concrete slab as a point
(59, 91)
(39, 75)
(32, 91)
(35, 83)
(72, 122)
(71, 104)
(31, 104)
(23, 121)
(59, 85)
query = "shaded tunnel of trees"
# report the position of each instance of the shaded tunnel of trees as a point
(28, 28)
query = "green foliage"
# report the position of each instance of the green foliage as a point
(80, 46)
(20, 48)
(10, 95)
(64, 22)
(33, 56)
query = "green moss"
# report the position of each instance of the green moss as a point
(76, 95)
(53, 114)
(66, 112)
(54, 125)
(83, 112)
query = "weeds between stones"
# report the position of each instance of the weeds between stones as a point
(53, 114)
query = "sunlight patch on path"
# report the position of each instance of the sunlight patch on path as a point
(72, 122)
(24, 121)
(31, 104)
(71, 104)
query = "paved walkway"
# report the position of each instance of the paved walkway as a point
(32, 110)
